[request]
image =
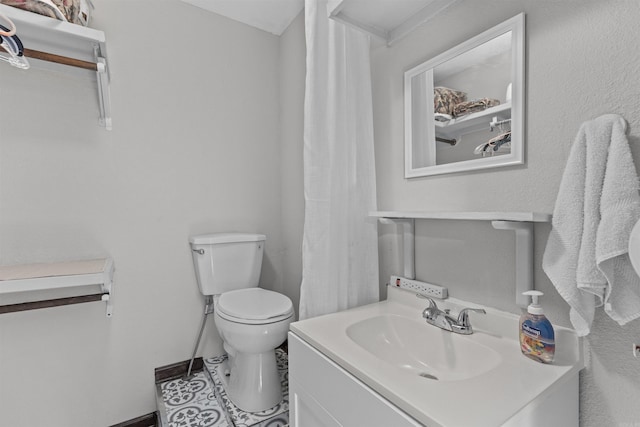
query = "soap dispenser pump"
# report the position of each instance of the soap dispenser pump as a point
(537, 339)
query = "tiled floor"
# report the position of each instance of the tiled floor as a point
(202, 401)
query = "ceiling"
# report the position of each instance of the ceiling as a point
(388, 20)
(273, 16)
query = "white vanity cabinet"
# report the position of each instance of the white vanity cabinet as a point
(322, 394)
(382, 365)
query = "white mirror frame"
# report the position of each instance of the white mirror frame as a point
(517, 27)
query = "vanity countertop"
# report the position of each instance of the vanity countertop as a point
(488, 397)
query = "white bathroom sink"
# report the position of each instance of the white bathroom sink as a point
(422, 349)
(430, 373)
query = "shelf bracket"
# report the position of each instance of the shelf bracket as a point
(104, 98)
(524, 256)
(107, 286)
(408, 243)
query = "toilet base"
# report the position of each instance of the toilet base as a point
(252, 381)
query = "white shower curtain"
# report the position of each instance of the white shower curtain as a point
(340, 242)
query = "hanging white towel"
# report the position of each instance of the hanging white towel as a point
(598, 204)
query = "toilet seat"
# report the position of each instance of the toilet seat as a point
(254, 306)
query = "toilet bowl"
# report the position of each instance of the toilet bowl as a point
(251, 321)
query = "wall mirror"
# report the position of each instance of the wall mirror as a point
(464, 109)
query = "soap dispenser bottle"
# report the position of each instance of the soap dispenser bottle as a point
(537, 339)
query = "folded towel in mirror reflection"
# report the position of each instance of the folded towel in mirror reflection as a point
(445, 99)
(468, 107)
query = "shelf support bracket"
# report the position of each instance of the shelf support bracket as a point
(104, 98)
(408, 243)
(107, 286)
(524, 256)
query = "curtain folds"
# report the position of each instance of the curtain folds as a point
(340, 241)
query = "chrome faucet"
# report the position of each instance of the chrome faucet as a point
(434, 316)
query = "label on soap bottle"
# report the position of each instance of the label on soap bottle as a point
(537, 339)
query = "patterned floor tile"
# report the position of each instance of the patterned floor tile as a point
(277, 416)
(179, 392)
(202, 402)
(192, 403)
(197, 416)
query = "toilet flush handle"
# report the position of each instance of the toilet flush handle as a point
(200, 251)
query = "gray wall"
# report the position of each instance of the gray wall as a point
(195, 148)
(217, 145)
(292, 80)
(582, 61)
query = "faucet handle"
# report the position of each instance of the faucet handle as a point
(430, 311)
(463, 316)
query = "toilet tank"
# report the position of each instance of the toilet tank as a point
(227, 261)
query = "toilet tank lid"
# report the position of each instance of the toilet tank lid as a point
(216, 238)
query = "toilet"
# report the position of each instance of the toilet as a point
(251, 321)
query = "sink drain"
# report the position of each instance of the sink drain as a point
(428, 376)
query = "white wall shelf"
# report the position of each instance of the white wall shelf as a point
(474, 121)
(388, 20)
(48, 40)
(39, 277)
(521, 223)
(467, 216)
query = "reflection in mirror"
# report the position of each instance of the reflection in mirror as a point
(463, 109)
(481, 78)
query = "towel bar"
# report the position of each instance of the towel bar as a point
(24, 306)
(38, 277)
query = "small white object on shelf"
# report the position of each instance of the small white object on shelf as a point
(38, 277)
(41, 33)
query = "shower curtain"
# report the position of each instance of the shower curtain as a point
(340, 241)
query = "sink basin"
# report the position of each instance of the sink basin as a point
(423, 349)
(437, 377)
